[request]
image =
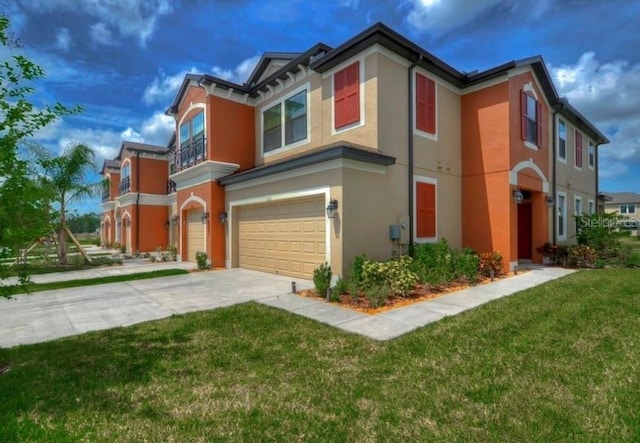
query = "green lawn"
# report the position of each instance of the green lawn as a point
(37, 287)
(556, 363)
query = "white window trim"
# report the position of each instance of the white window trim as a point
(577, 199)
(340, 67)
(280, 101)
(417, 131)
(591, 206)
(126, 161)
(564, 216)
(191, 107)
(626, 206)
(590, 145)
(575, 148)
(422, 179)
(566, 131)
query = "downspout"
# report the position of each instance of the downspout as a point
(597, 180)
(410, 147)
(554, 221)
(138, 201)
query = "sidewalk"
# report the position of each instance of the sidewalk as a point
(397, 322)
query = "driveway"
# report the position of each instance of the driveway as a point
(48, 315)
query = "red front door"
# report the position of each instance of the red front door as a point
(524, 230)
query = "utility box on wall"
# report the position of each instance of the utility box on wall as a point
(394, 232)
(403, 223)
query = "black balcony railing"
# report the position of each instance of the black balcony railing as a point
(171, 186)
(190, 153)
(105, 195)
(124, 186)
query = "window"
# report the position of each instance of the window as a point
(592, 207)
(192, 146)
(346, 96)
(531, 111)
(562, 216)
(578, 149)
(577, 205)
(425, 209)
(425, 104)
(592, 155)
(125, 171)
(628, 209)
(286, 120)
(562, 140)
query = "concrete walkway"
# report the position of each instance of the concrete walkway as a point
(48, 315)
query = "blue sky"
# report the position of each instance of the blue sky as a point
(123, 60)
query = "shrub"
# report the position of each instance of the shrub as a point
(633, 260)
(123, 248)
(201, 260)
(556, 253)
(377, 295)
(334, 295)
(322, 279)
(433, 262)
(97, 242)
(356, 268)
(354, 290)
(396, 275)
(582, 256)
(465, 265)
(172, 251)
(342, 286)
(105, 261)
(490, 261)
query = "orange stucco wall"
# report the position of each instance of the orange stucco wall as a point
(231, 132)
(153, 230)
(486, 210)
(491, 147)
(114, 181)
(108, 226)
(213, 195)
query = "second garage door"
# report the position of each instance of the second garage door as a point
(195, 234)
(286, 238)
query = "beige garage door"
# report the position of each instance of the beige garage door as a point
(195, 234)
(285, 238)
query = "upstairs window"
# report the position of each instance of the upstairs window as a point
(578, 149)
(192, 147)
(425, 104)
(125, 171)
(346, 96)
(628, 209)
(531, 119)
(562, 140)
(592, 155)
(286, 120)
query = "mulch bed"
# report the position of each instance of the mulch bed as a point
(418, 294)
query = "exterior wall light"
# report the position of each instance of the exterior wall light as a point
(204, 217)
(223, 217)
(518, 196)
(175, 218)
(167, 223)
(549, 201)
(332, 208)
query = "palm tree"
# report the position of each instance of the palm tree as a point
(66, 178)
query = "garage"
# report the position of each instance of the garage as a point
(286, 237)
(195, 234)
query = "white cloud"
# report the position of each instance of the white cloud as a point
(157, 129)
(63, 39)
(440, 16)
(101, 34)
(132, 18)
(240, 73)
(608, 94)
(164, 87)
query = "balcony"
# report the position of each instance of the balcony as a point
(190, 154)
(105, 196)
(125, 186)
(171, 186)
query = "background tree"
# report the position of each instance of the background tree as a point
(24, 205)
(83, 223)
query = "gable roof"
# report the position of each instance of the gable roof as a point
(264, 62)
(140, 147)
(110, 164)
(622, 197)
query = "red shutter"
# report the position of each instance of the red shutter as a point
(425, 210)
(346, 92)
(539, 123)
(578, 149)
(523, 115)
(425, 104)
